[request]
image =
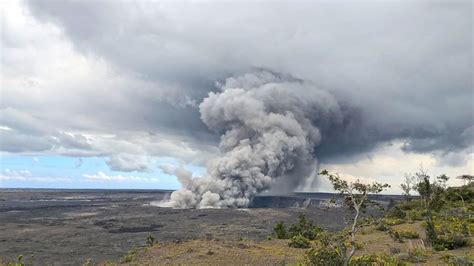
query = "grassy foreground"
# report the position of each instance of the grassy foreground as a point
(278, 252)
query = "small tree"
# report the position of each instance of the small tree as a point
(280, 230)
(356, 199)
(443, 180)
(432, 196)
(407, 186)
(304, 227)
(331, 251)
(467, 179)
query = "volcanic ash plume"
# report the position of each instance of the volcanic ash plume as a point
(269, 129)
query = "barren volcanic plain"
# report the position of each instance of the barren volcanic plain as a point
(72, 226)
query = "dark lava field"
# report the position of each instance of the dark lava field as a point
(68, 227)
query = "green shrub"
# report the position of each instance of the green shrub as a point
(452, 260)
(299, 241)
(396, 213)
(132, 254)
(358, 245)
(19, 262)
(470, 227)
(414, 215)
(415, 255)
(412, 205)
(409, 234)
(381, 226)
(279, 230)
(150, 241)
(450, 242)
(453, 225)
(376, 259)
(452, 232)
(323, 255)
(305, 228)
(465, 193)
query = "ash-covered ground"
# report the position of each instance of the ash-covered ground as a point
(71, 226)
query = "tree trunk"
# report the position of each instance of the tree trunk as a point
(349, 256)
(353, 232)
(430, 229)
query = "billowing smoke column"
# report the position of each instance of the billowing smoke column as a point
(269, 130)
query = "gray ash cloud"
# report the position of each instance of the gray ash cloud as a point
(269, 127)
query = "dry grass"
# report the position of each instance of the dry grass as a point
(212, 252)
(277, 252)
(379, 242)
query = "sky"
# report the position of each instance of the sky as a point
(106, 94)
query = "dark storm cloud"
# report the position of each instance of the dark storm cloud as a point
(13, 141)
(398, 69)
(24, 132)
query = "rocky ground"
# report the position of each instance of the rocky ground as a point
(68, 228)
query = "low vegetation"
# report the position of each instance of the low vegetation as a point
(150, 241)
(376, 259)
(129, 257)
(299, 241)
(409, 234)
(440, 219)
(19, 262)
(280, 231)
(458, 260)
(303, 228)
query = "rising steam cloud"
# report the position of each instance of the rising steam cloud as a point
(269, 130)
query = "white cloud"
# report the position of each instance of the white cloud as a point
(102, 177)
(129, 163)
(27, 176)
(58, 101)
(388, 164)
(16, 173)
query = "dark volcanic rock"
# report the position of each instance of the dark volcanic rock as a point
(69, 227)
(283, 202)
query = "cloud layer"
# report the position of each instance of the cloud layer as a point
(124, 80)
